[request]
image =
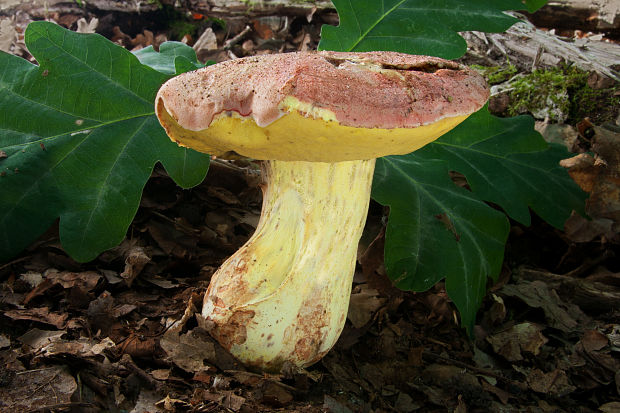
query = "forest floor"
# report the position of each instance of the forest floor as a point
(87, 337)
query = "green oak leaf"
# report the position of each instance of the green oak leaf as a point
(79, 140)
(173, 58)
(414, 26)
(437, 230)
(533, 5)
(508, 163)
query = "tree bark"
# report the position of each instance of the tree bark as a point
(529, 48)
(222, 8)
(588, 295)
(213, 8)
(585, 15)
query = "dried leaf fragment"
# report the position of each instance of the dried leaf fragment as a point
(363, 305)
(7, 37)
(600, 176)
(555, 382)
(84, 26)
(135, 260)
(560, 314)
(31, 390)
(594, 340)
(41, 315)
(526, 337)
(611, 407)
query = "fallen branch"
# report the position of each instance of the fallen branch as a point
(585, 15)
(588, 295)
(526, 46)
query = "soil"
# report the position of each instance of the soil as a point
(101, 336)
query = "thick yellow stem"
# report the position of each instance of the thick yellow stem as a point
(284, 295)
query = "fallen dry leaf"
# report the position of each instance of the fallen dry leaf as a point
(600, 176)
(524, 337)
(503, 396)
(189, 350)
(614, 336)
(4, 341)
(80, 348)
(497, 312)
(555, 382)
(225, 398)
(363, 304)
(559, 314)
(444, 375)
(146, 402)
(332, 405)
(371, 259)
(160, 374)
(87, 281)
(41, 315)
(170, 240)
(84, 26)
(206, 42)
(461, 407)
(101, 313)
(275, 395)
(263, 30)
(32, 390)
(172, 405)
(223, 195)
(594, 340)
(37, 339)
(7, 37)
(611, 407)
(405, 404)
(580, 229)
(135, 260)
(581, 168)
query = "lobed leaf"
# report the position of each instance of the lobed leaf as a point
(438, 230)
(81, 139)
(508, 163)
(414, 26)
(173, 58)
(533, 5)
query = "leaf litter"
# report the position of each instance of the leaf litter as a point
(118, 333)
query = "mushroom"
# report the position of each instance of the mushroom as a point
(318, 120)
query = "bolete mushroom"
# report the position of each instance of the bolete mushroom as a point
(317, 120)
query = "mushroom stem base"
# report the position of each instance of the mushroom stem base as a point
(283, 296)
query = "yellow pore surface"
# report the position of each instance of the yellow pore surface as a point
(296, 137)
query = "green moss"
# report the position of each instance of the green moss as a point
(560, 93)
(541, 90)
(251, 3)
(181, 23)
(564, 93)
(179, 28)
(600, 105)
(496, 74)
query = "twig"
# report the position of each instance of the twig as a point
(588, 265)
(8, 264)
(231, 42)
(52, 407)
(133, 367)
(588, 295)
(33, 371)
(475, 369)
(262, 376)
(177, 224)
